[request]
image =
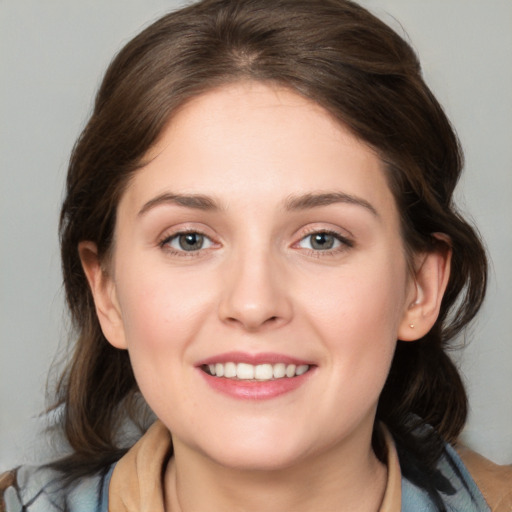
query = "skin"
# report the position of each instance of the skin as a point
(258, 285)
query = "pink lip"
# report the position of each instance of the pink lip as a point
(254, 390)
(261, 358)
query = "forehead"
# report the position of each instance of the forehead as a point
(255, 141)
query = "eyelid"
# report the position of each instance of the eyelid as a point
(346, 242)
(186, 227)
(312, 228)
(170, 234)
(169, 241)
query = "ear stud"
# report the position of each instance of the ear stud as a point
(411, 326)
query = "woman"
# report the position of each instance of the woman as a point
(258, 209)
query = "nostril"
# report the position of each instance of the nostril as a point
(252, 324)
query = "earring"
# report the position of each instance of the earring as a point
(411, 326)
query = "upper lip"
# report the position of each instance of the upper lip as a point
(254, 359)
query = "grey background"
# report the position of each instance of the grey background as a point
(52, 56)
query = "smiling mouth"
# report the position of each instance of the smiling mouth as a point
(259, 372)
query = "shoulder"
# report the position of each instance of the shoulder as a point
(493, 480)
(461, 481)
(36, 489)
(7, 480)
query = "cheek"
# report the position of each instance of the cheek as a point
(357, 312)
(152, 310)
(163, 310)
(160, 321)
(370, 294)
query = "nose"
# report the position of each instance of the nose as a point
(255, 293)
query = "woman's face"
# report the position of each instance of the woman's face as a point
(261, 243)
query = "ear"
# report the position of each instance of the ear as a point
(104, 293)
(431, 275)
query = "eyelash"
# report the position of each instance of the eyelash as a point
(345, 243)
(164, 244)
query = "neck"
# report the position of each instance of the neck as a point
(347, 477)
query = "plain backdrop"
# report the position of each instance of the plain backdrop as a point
(52, 56)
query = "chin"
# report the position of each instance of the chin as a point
(251, 460)
(256, 453)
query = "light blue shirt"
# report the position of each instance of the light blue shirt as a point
(39, 490)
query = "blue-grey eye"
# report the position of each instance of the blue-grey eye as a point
(189, 242)
(320, 241)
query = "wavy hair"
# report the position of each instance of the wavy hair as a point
(340, 56)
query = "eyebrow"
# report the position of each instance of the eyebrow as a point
(194, 201)
(312, 200)
(293, 203)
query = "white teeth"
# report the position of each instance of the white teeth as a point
(230, 370)
(245, 371)
(303, 368)
(279, 370)
(261, 372)
(219, 370)
(290, 370)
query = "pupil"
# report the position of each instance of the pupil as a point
(191, 241)
(322, 241)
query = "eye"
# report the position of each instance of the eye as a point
(323, 241)
(188, 242)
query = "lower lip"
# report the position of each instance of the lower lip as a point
(255, 390)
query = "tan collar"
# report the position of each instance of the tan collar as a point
(136, 484)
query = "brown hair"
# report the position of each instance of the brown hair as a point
(340, 56)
